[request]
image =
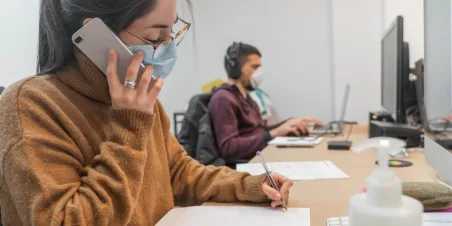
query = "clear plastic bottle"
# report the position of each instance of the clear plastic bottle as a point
(383, 204)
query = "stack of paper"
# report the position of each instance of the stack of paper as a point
(236, 216)
(296, 141)
(297, 170)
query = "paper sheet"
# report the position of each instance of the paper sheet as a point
(297, 170)
(437, 219)
(236, 216)
(296, 141)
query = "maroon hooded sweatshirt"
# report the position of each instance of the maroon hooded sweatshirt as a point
(239, 129)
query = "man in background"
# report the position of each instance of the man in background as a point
(239, 129)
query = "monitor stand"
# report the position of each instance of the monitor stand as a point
(410, 134)
(380, 116)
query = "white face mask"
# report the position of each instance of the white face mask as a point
(257, 77)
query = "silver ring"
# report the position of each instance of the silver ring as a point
(130, 84)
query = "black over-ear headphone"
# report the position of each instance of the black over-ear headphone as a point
(232, 61)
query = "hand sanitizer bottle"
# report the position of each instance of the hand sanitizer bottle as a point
(383, 204)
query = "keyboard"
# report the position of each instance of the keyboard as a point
(337, 221)
(315, 129)
(439, 126)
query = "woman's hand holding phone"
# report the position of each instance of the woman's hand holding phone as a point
(127, 97)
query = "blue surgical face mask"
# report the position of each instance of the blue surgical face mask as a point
(164, 64)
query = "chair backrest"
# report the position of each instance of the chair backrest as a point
(188, 135)
(196, 134)
(207, 151)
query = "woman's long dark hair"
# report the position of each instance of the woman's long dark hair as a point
(59, 19)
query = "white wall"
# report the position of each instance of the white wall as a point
(18, 40)
(357, 32)
(357, 29)
(306, 72)
(413, 14)
(292, 37)
(353, 56)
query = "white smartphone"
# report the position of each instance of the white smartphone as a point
(95, 40)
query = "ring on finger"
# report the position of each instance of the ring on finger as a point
(130, 84)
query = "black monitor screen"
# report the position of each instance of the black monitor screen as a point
(389, 72)
(392, 70)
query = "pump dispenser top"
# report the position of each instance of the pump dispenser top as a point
(383, 203)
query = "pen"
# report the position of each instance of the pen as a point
(272, 181)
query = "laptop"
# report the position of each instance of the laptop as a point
(333, 127)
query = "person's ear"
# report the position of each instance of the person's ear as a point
(87, 20)
(242, 71)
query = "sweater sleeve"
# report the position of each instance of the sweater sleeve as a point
(51, 185)
(193, 183)
(229, 141)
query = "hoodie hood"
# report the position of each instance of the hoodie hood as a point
(247, 104)
(228, 87)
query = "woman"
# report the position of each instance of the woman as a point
(79, 148)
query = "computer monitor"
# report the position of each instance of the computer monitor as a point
(437, 82)
(397, 92)
(419, 73)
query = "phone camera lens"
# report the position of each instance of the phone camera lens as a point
(78, 39)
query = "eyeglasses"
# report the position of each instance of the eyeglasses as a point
(161, 46)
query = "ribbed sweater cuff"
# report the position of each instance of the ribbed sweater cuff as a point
(130, 127)
(253, 188)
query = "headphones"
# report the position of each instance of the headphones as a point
(232, 61)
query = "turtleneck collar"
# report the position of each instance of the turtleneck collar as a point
(84, 77)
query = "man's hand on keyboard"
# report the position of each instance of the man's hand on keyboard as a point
(295, 126)
(448, 118)
(311, 121)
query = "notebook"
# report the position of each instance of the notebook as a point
(236, 216)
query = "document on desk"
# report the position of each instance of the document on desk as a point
(321, 170)
(235, 215)
(437, 219)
